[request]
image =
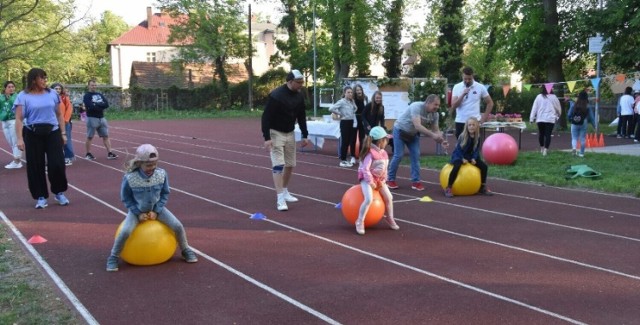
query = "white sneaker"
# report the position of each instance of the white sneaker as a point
(544, 151)
(345, 163)
(282, 205)
(289, 198)
(353, 161)
(13, 165)
(360, 227)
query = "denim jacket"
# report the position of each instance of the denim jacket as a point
(141, 193)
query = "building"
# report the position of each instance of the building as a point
(148, 42)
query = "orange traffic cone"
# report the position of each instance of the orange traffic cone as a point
(578, 144)
(601, 142)
(588, 142)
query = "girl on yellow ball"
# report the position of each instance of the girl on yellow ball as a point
(372, 175)
(145, 191)
(468, 151)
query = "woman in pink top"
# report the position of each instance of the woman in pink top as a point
(372, 175)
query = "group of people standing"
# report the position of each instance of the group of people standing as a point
(364, 121)
(628, 112)
(38, 122)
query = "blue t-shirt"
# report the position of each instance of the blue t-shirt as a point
(39, 108)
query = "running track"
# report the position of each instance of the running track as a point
(528, 255)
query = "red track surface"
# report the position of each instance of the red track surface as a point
(528, 255)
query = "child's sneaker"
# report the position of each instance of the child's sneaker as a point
(112, 156)
(392, 185)
(41, 203)
(391, 222)
(484, 190)
(345, 163)
(417, 186)
(89, 156)
(360, 227)
(62, 200)
(112, 263)
(448, 192)
(189, 256)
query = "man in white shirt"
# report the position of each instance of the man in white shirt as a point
(465, 99)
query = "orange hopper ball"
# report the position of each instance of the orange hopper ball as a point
(351, 202)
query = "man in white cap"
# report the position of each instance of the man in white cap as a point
(285, 106)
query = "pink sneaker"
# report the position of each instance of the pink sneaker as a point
(391, 222)
(417, 186)
(447, 192)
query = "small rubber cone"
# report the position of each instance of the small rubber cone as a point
(258, 216)
(426, 199)
(36, 239)
(601, 141)
(588, 144)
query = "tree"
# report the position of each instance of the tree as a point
(620, 23)
(450, 41)
(92, 41)
(27, 27)
(208, 31)
(393, 53)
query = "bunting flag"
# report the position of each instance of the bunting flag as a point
(595, 82)
(549, 87)
(527, 86)
(505, 89)
(571, 85)
(621, 77)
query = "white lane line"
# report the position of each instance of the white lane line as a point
(51, 273)
(259, 284)
(379, 257)
(594, 267)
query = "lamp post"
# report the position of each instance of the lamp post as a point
(315, 69)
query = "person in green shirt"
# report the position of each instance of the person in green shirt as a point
(8, 118)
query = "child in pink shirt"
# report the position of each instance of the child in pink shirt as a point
(372, 175)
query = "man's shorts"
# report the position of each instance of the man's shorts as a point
(97, 124)
(283, 150)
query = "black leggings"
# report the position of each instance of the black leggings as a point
(544, 133)
(456, 167)
(347, 139)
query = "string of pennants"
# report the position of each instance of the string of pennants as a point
(618, 79)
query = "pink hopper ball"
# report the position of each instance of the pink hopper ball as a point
(500, 149)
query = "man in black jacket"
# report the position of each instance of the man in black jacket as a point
(284, 107)
(95, 104)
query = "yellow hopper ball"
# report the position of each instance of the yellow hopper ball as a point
(467, 182)
(151, 242)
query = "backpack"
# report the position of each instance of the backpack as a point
(577, 119)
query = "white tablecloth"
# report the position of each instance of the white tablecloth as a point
(318, 130)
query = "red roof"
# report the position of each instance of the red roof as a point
(147, 33)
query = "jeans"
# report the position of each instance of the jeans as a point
(131, 221)
(9, 128)
(68, 147)
(578, 133)
(398, 152)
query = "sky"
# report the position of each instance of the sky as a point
(132, 11)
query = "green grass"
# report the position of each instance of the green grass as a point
(617, 170)
(26, 296)
(170, 114)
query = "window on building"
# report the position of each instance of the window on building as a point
(151, 56)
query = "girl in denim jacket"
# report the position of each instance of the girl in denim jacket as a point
(145, 191)
(372, 175)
